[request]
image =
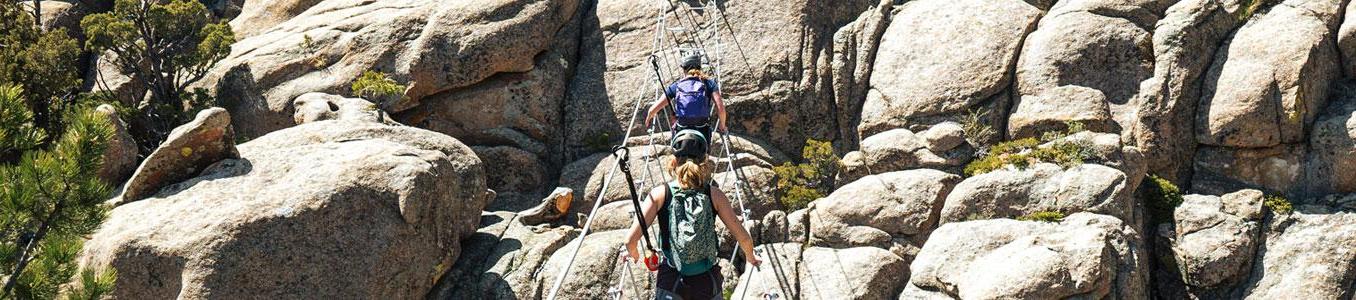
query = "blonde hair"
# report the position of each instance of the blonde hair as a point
(689, 173)
(696, 72)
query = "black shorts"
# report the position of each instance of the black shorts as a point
(696, 287)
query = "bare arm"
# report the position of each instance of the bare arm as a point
(655, 109)
(654, 201)
(731, 220)
(720, 110)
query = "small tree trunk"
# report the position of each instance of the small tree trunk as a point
(28, 247)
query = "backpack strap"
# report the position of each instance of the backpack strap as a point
(664, 240)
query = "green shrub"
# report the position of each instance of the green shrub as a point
(1024, 152)
(373, 85)
(1278, 204)
(1162, 198)
(1043, 216)
(976, 130)
(799, 184)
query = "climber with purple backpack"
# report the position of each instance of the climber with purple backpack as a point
(692, 98)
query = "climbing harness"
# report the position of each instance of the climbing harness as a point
(622, 155)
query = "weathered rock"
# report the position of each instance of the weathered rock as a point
(331, 209)
(1165, 110)
(189, 149)
(757, 188)
(517, 175)
(893, 211)
(1106, 149)
(432, 45)
(59, 14)
(1083, 64)
(773, 228)
(1086, 255)
(552, 208)
(1221, 170)
(258, 16)
(901, 149)
(1332, 147)
(1011, 193)
(591, 173)
(914, 81)
(311, 107)
(501, 260)
(854, 273)
(1293, 41)
(1216, 237)
(1307, 255)
(120, 159)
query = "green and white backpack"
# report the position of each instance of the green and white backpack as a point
(688, 230)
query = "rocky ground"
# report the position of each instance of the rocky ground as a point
(1241, 103)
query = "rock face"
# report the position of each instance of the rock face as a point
(1292, 41)
(189, 149)
(867, 273)
(329, 209)
(939, 147)
(120, 160)
(1274, 169)
(1216, 237)
(1086, 255)
(596, 269)
(893, 211)
(258, 16)
(1010, 193)
(1307, 254)
(916, 82)
(1165, 110)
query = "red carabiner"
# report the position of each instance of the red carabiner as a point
(652, 262)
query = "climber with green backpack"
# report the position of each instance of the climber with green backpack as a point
(687, 209)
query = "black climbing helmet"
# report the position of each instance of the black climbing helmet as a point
(693, 61)
(690, 144)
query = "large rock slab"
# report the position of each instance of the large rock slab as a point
(1011, 193)
(258, 16)
(894, 211)
(779, 275)
(1086, 255)
(1216, 237)
(330, 209)
(854, 53)
(940, 58)
(1292, 44)
(1332, 147)
(1083, 64)
(189, 149)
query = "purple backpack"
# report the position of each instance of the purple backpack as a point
(692, 99)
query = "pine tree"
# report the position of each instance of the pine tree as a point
(167, 45)
(40, 62)
(49, 201)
